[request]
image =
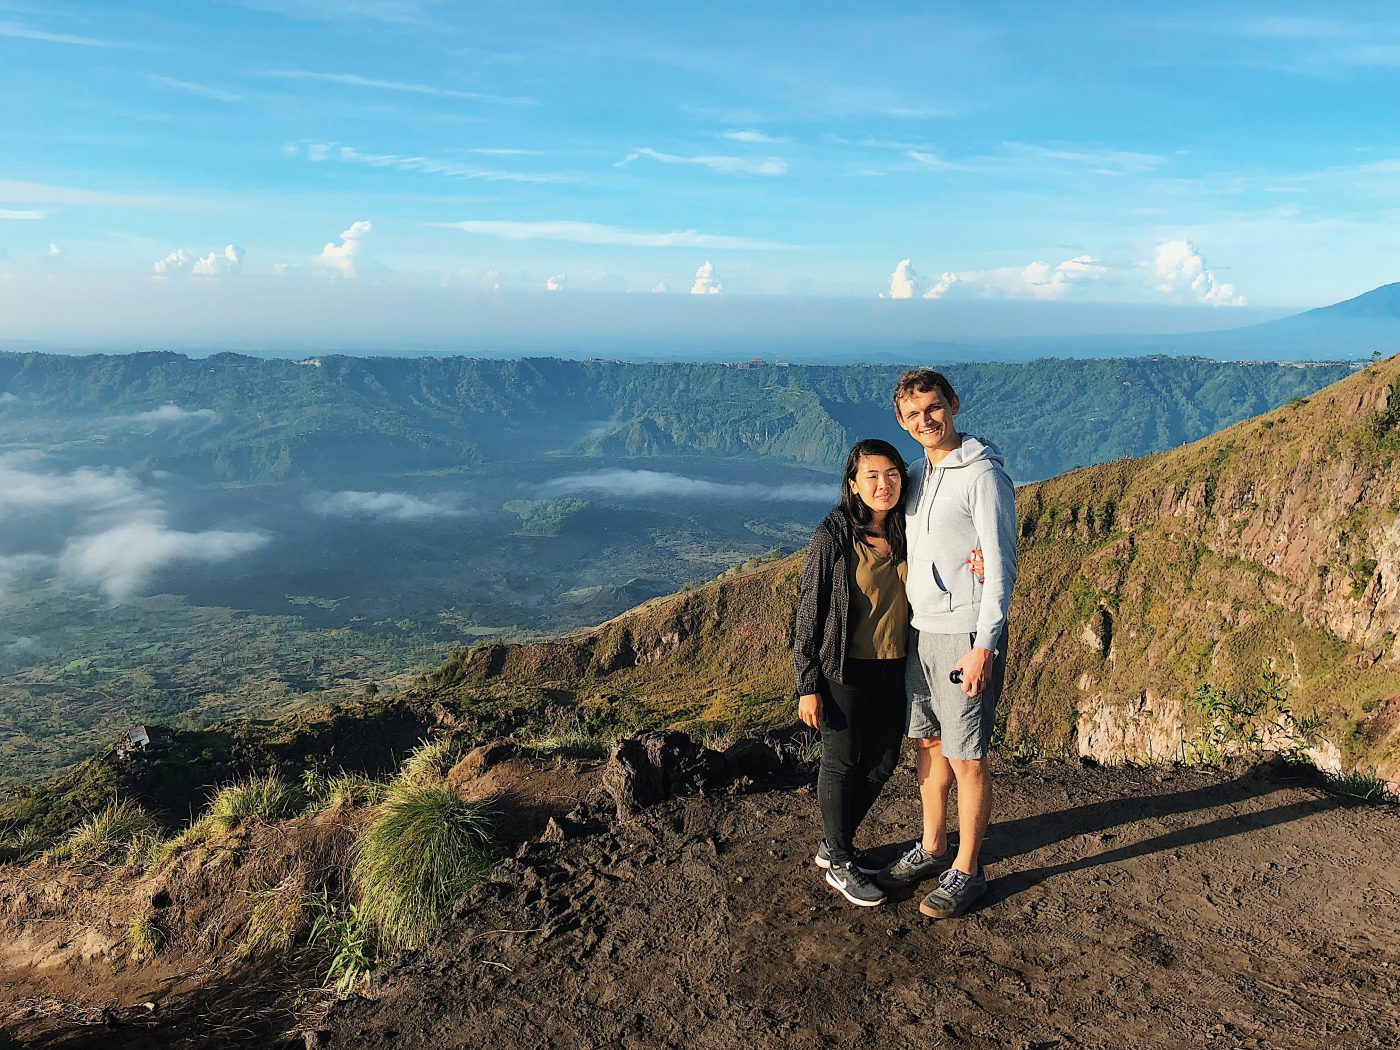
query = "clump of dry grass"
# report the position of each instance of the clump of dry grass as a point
(106, 835)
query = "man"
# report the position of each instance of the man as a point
(960, 497)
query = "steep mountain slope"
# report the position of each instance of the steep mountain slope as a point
(1260, 563)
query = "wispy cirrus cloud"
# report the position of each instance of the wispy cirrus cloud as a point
(597, 233)
(1101, 162)
(751, 136)
(21, 215)
(601, 234)
(209, 91)
(318, 152)
(722, 165)
(15, 31)
(17, 192)
(403, 86)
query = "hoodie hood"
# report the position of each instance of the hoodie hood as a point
(972, 450)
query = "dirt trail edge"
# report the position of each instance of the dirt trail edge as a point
(1127, 907)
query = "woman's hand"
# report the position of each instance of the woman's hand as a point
(809, 710)
(977, 565)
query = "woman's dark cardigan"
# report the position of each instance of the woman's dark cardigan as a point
(823, 600)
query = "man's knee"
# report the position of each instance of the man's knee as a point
(930, 743)
(971, 768)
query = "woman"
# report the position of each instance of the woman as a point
(851, 632)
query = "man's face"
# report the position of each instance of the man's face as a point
(928, 419)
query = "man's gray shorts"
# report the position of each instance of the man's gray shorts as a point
(937, 707)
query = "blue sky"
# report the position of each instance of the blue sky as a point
(215, 156)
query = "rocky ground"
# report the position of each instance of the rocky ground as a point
(1127, 907)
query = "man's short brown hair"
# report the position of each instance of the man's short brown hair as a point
(922, 381)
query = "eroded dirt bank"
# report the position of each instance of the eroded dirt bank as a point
(1127, 908)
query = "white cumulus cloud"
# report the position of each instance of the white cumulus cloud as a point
(707, 282)
(216, 264)
(1181, 270)
(553, 284)
(379, 506)
(904, 282)
(1035, 280)
(661, 288)
(341, 257)
(177, 262)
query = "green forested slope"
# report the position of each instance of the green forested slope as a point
(263, 420)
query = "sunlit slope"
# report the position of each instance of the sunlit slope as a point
(1274, 544)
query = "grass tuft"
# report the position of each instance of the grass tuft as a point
(277, 916)
(267, 797)
(147, 938)
(423, 850)
(569, 745)
(430, 761)
(105, 836)
(353, 789)
(1367, 786)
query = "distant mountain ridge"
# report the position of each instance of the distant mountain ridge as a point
(241, 419)
(1271, 548)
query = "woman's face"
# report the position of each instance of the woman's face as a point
(877, 483)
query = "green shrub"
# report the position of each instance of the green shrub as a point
(424, 848)
(268, 797)
(343, 931)
(106, 834)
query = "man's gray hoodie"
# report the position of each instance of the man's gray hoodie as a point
(963, 502)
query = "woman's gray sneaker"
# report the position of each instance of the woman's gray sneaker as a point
(956, 893)
(862, 859)
(852, 883)
(914, 866)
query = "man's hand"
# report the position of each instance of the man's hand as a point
(809, 710)
(976, 668)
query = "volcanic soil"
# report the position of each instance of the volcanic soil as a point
(1126, 907)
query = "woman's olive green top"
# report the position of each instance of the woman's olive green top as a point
(878, 626)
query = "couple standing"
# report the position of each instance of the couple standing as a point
(901, 630)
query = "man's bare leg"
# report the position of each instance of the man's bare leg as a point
(935, 781)
(974, 779)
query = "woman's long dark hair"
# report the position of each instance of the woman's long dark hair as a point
(857, 513)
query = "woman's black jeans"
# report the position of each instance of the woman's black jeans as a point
(862, 727)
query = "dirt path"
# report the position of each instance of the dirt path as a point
(1126, 908)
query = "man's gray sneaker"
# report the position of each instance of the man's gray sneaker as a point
(863, 861)
(854, 885)
(917, 864)
(955, 894)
